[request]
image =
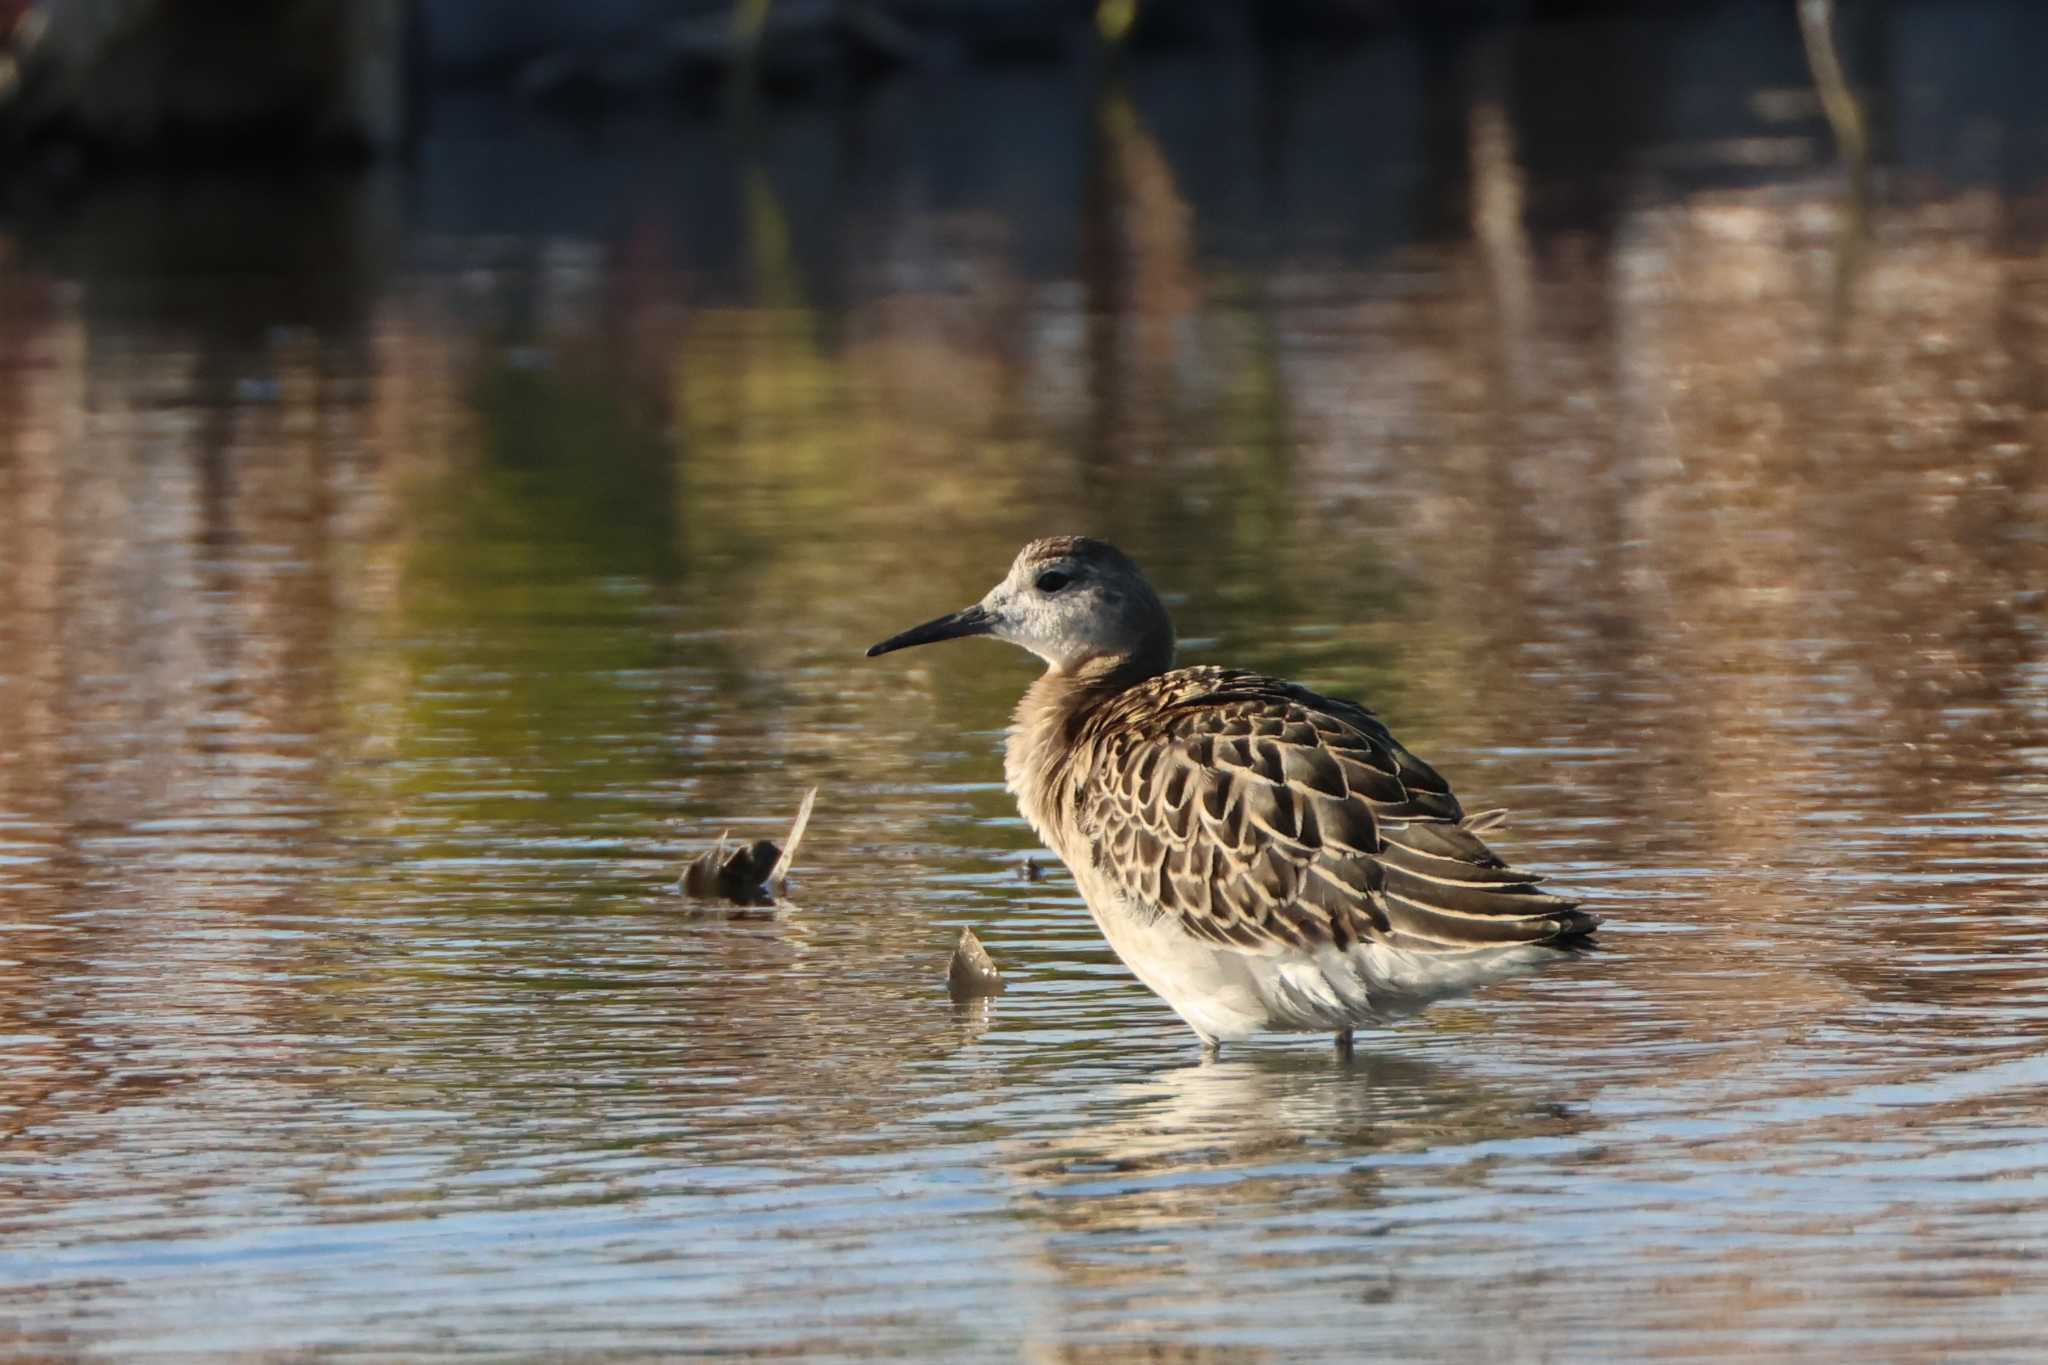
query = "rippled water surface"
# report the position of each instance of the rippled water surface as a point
(402, 575)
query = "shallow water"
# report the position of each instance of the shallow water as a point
(401, 576)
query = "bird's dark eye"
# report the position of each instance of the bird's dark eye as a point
(1052, 581)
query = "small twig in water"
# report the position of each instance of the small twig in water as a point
(779, 878)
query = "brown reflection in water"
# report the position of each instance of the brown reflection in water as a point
(1131, 1171)
(1141, 293)
(177, 455)
(1643, 453)
(1126, 1208)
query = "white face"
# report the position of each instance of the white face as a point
(1066, 611)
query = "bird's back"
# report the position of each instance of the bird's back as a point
(1258, 816)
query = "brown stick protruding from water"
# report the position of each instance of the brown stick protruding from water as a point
(972, 974)
(752, 874)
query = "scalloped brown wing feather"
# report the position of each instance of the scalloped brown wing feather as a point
(1264, 816)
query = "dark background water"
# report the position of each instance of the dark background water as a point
(402, 572)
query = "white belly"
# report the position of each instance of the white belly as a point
(1216, 991)
(1230, 993)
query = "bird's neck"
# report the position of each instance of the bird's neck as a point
(1041, 751)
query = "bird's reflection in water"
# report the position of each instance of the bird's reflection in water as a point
(1263, 1131)
(972, 1018)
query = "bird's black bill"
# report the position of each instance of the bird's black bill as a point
(975, 620)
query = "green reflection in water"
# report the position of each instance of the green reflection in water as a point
(530, 621)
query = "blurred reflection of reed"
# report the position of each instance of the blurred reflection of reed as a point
(179, 477)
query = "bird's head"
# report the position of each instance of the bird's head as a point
(1079, 604)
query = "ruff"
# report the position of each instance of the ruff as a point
(1262, 857)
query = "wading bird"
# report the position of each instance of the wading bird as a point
(1264, 858)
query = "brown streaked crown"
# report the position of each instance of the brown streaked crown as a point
(1084, 548)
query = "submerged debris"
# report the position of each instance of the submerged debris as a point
(740, 876)
(751, 874)
(972, 974)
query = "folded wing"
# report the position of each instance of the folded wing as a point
(1264, 816)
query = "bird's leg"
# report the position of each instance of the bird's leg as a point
(1212, 1048)
(1344, 1045)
